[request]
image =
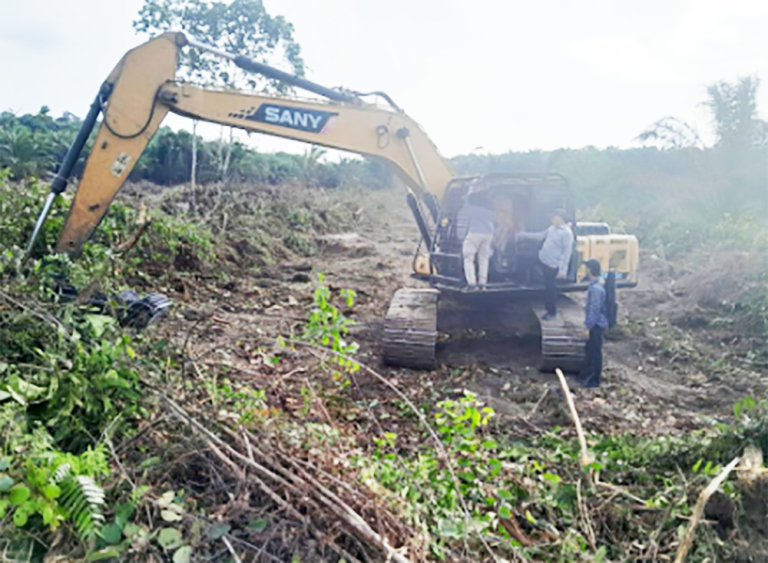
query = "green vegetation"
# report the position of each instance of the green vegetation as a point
(679, 195)
(329, 327)
(75, 387)
(40, 483)
(32, 145)
(98, 463)
(533, 498)
(78, 393)
(121, 249)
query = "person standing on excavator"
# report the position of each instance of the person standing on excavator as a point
(554, 257)
(479, 216)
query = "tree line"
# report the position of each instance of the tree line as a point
(33, 145)
(674, 188)
(671, 182)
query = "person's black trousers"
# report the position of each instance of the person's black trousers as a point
(550, 288)
(593, 361)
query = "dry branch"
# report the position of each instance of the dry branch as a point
(443, 454)
(231, 550)
(586, 457)
(128, 245)
(513, 528)
(299, 482)
(538, 404)
(45, 317)
(698, 510)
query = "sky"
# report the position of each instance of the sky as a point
(487, 76)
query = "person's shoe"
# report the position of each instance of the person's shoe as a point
(548, 316)
(471, 287)
(591, 384)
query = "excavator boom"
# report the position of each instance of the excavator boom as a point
(142, 89)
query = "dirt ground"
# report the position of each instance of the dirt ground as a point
(665, 373)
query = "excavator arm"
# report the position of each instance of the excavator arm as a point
(142, 89)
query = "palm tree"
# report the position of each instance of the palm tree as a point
(310, 161)
(734, 118)
(26, 153)
(734, 113)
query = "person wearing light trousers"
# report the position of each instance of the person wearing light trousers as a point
(478, 243)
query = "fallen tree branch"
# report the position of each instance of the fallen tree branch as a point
(423, 419)
(586, 457)
(512, 526)
(344, 512)
(310, 487)
(34, 312)
(282, 378)
(587, 526)
(538, 404)
(231, 549)
(619, 491)
(698, 510)
(128, 245)
(214, 438)
(443, 454)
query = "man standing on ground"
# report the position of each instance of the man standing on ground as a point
(554, 256)
(479, 215)
(596, 322)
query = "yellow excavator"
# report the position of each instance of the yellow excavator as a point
(143, 88)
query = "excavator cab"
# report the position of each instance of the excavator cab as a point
(522, 203)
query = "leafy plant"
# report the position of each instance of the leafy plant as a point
(423, 487)
(533, 488)
(82, 500)
(247, 403)
(36, 480)
(329, 326)
(75, 385)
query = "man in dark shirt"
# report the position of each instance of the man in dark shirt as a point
(596, 322)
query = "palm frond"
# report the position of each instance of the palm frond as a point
(82, 499)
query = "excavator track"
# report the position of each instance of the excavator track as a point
(410, 329)
(563, 338)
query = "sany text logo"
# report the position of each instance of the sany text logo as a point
(313, 121)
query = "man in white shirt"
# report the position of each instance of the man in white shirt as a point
(554, 256)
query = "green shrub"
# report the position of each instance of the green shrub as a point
(76, 383)
(328, 326)
(169, 244)
(43, 487)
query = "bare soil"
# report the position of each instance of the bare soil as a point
(668, 368)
